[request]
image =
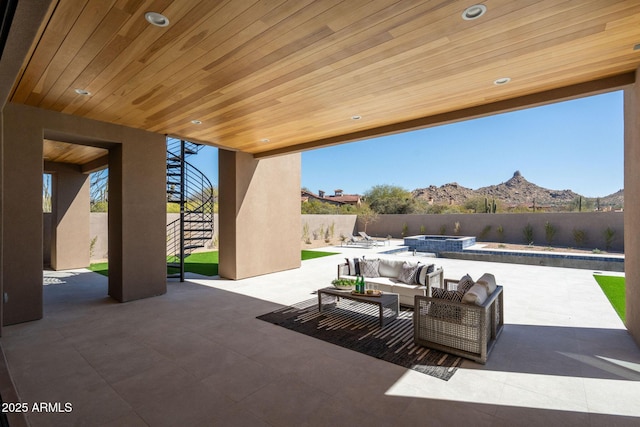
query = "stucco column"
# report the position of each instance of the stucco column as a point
(70, 217)
(632, 206)
(137, 218)
(259, 214)
(21, 267)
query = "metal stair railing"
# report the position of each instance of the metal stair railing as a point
(193, 192)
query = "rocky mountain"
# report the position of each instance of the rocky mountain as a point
(448, 193)
(615, 200)
(517, 191)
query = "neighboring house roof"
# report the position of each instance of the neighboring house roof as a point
(345, 199)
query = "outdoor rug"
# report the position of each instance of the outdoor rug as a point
(356, 326)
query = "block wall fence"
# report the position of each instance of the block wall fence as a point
(592, 223)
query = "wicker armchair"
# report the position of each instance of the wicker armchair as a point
(458, 328)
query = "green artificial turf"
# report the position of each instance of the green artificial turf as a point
(613, 288)
(305, 255)
(204, 263)
(100, 268)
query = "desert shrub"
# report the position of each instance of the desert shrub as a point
(580, 237)
(527, 234)
(92, 246)
(456, 228)
(485, 232)
(549, 232)
(609, 236)
(305, 233)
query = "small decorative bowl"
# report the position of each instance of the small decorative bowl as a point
(344, 286)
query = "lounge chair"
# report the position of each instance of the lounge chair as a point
(374, 242)
(353, 240)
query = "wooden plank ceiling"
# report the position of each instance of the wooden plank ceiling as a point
(275, 74)
(62, 152)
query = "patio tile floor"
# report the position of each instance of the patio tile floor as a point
(198, 356)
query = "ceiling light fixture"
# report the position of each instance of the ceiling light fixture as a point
(501, 81)
(157, 19)
(356, 117)
(474, 12)
(637, 47)
(196, 122)
(265, 140)
(83, 92)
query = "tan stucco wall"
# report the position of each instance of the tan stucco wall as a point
(22, 217)
(594, 223)
(137, 206)
(342, 225)
(259, 214)
(70, 217)
(137, 216)
(632, 206)
(98, 230)
(23, 31)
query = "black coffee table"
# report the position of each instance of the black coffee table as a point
(388, 303)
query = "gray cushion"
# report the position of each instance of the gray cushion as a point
(408, 273)
(390, 268)
(369, 267)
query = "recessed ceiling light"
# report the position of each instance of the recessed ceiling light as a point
(157, 19)
(265, 140)
(474, 12)
(196, 122)
(82, 92)
(502, 81)
(356, 117)
(637, 47)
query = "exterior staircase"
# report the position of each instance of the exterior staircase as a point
(192, 191)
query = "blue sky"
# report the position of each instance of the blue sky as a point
(576, 145)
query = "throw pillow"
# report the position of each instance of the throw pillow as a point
(489, 281)
(476, 295)
(419, 277)
(465, 283)
(408, 273)
(354, 266)
(369, 267)
(447, 295)
(423, 271)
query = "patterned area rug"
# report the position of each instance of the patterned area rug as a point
(355, 326)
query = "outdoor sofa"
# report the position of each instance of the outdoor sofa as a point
(465, 322)
(407, 279)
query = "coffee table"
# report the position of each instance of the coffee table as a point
(388, 303)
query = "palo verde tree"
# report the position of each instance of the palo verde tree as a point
(389, 199)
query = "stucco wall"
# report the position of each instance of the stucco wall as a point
(632, 206)
(137, 195)
(259, 214)
(342, 225)
(70, 216)
(593, 223)
(99, 231)
(472, 224)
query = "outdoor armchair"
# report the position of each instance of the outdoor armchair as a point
(459, 328)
